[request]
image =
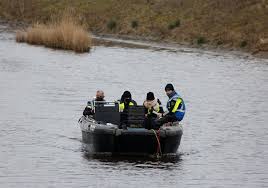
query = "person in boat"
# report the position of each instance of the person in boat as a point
(89, 110)
(124, 103)
(152, 110)
(175, 105)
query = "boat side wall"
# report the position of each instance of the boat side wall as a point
(104, 138)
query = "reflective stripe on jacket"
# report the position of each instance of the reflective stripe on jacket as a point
(178, 108)
(122, 106)
(156, 109)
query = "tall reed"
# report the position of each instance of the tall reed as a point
(63, 34)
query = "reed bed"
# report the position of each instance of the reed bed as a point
(65, 34)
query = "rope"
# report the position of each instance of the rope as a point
(158, 143)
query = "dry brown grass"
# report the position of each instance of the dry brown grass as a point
(21, 36)
(65, 34)
(226, 23)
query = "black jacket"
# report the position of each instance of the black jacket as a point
(88, 109)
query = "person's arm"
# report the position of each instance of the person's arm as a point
(145, 111)
(161, 110)
(135, 103)
(87, 111)
(171, 110)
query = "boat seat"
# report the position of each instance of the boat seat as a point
(107, 113)
(135, 116)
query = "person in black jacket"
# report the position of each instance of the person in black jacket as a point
(89, 109)
(124, 103)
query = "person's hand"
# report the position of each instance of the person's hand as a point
(159, 115)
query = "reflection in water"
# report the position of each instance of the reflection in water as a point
(166, 162)
(44, 91)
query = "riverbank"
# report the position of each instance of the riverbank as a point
(229, 24)
(146, 43)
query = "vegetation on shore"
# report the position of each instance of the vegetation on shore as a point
(227, 23)
(63, 34)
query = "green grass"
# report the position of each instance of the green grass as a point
(201, 40)
(134, 24)
(243, 44)
(174, 24)
(111, 24)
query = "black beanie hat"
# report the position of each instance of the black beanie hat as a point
(150, 96)
(169, 87)
(125, 95)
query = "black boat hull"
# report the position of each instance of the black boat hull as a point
(133, 141)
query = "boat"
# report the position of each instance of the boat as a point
(104, 134)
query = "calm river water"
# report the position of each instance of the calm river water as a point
(43, 93)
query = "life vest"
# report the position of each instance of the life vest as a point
(122, 106)
(179, 107)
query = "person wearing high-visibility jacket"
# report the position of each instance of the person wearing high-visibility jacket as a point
(152, 109)
(124, 103)
(175, 105)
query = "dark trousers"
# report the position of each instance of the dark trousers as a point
(150, 123)
(167, 118)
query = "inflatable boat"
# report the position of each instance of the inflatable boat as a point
(104, 133)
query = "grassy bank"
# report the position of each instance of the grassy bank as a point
(64, 33)
(225, 23)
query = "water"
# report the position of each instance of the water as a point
(43, 93)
